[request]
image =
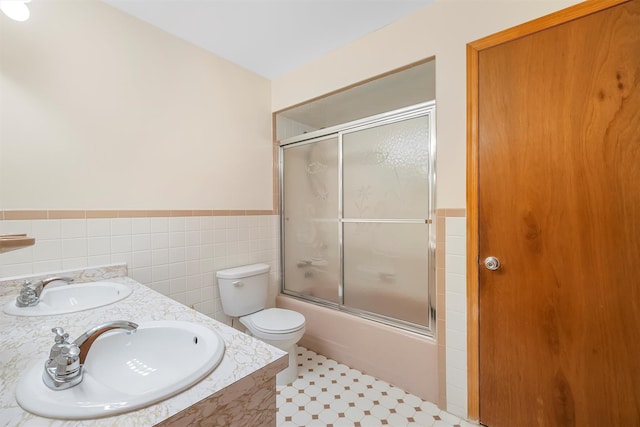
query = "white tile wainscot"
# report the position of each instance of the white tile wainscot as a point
(240, 391)
(456, 315)
(176, 256)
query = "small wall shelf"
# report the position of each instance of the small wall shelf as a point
(11, 242)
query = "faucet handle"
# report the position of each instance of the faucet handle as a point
(67, 361)
(71, 352)
(63, 369)
(61, 340)
(61, 336)
(27, 296)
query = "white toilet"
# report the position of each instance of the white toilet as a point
(243, 292)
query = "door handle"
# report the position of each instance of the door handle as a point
(492, 263)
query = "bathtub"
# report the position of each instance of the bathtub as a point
(404, 359)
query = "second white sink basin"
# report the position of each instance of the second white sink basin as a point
(127, 371)
(72, 298)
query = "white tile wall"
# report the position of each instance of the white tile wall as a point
(456, 315)
(176, 256)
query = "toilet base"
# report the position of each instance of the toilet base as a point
(290, 374)
(288, 344)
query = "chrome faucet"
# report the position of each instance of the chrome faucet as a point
(30, 292)
(64, 368)
(85, 341)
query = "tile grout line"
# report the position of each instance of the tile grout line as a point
(331, 394)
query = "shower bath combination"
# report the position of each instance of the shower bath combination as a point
(357, 203)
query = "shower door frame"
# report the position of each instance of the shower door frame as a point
(427, 109)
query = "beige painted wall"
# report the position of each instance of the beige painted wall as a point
(441, 29)
(99, 110)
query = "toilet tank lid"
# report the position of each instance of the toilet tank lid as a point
(242, 271)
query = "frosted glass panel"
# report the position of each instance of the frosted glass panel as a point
(354, 204)
(386, 171)
(386, 270)
(311, 249)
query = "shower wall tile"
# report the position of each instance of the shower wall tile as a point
(455, 264)
(73, 263)
(43, 229)
(98, 227)
(456, 303)
(456, 226)
(122, 258)
(159, 240)
(140, 225)
(99, 245)
(141, 242)
(23, 256)
(94, 260)
(192, 237)
(456, 245)
(73, 228)
(177, 256)
(18, 269)
(10, 227)
(159, 225)
(51, 265)
(441, 306)
(457, 321)
(206, 223)
(456, 315)
(74, 248)
(141, 259)
(121, 244)
(121, 227)
(177, 224)
(160, 257)
(47, 250)
(176, 239)
(142, 275)
(456, 283)
(192, 223)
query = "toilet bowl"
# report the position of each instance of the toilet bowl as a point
(243, 293)
(280, 328)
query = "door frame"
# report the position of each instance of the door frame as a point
(473, 49)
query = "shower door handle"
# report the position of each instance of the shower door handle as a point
(492, 263)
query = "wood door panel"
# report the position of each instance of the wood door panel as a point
(559, 204)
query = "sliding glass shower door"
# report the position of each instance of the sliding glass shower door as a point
(357, 208)
(310, 214)
(385, 204)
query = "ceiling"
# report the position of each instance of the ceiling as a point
(269, 37)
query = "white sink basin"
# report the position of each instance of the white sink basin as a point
(127, 371)
(71, 298)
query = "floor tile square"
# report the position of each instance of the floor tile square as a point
(331, 394)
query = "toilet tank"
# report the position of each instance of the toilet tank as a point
(243, 290)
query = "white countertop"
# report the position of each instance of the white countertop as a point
(27, 340)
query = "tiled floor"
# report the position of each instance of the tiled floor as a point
(330, 394)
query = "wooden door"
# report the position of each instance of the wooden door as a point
(559, 205)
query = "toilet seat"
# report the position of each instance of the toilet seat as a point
(274, 321)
